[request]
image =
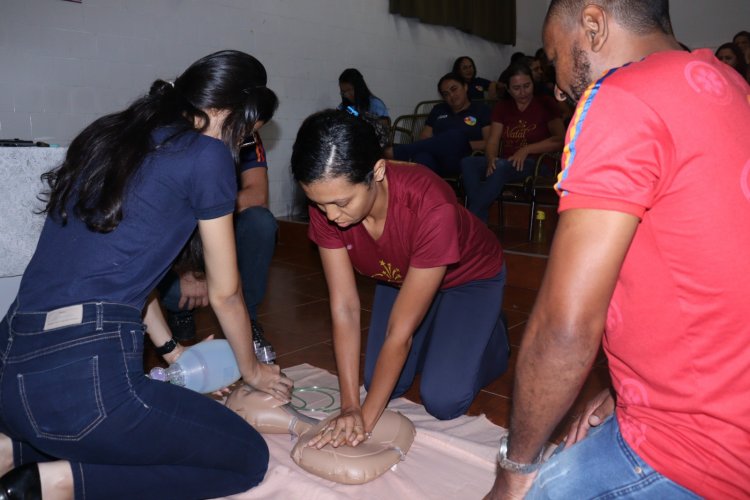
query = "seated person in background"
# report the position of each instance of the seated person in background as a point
(355, 93)
(478, 88)
(542, 86)
(440, 277)
(742, 40)
(731, 55)
(527, 125)
(184, 288)
(453, 130)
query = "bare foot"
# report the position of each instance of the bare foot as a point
(6, 454)
(57, 480)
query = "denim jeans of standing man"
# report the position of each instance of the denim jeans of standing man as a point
(603, 466)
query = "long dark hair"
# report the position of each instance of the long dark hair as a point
(105, 156)
(457, 68)
(333, 144)
(741, 66)
(362, 93)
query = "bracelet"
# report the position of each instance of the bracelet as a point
(168, 347)
(505, 463)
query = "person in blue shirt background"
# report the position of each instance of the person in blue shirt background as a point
(453, 129)
(355, 93)
(184, 288)
(478, 88)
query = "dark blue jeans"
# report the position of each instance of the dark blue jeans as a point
(440, 153)
(481, 191)
(78, 393)
(460, 346)
(255, 233)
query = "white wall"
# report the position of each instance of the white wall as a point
(63, 64)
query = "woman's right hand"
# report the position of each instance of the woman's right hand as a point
(596, 411)
(347, 428)
(490, 166)
(270, 379)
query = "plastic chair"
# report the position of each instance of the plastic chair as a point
(406, 128)
(424, 107)
(532, 189)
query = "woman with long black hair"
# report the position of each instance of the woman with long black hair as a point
(83, 419)
(355, 93)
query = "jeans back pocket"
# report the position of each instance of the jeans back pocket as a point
(64, 402)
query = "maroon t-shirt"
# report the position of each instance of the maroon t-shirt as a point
(524, 127)
(425, 227)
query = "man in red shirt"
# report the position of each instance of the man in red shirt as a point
(655, 193)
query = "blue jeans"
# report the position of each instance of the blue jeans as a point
(460, 346)
(255, 233)
(440, 153)
(78, 393)
(602, 466)
(481, 192)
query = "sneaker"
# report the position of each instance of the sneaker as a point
(182, 325)
(259, 337)
(263, 349)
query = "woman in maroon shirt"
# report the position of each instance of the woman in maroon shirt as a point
(440, 276)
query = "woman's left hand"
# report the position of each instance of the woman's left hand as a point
(518, 158)
(348, 428)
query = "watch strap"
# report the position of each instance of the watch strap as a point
(507, 464)
(169, 346)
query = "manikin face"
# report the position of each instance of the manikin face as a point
(467, 69)
(572, 64)
(342, 202)
(727, 57)
(455, 94)
(521, 89)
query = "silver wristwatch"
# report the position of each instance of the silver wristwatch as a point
(510, 465)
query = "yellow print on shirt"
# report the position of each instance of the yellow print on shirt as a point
(518, 133)
(389, 273)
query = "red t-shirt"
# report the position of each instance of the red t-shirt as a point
(425, 227)
(667, 139)
(524, 127)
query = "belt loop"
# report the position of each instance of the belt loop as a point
(12, 311)
(99, 316)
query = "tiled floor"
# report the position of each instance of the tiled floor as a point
(296, 317)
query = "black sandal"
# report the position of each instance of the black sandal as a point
(21, 483)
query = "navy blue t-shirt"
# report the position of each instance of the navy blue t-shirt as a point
(471, 120)
(477, 87)
(191, 177)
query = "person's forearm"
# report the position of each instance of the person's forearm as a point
(156, 326)
(247, 198)
(552, 366)
(477, 145)
(387, 371)
(491, 152)
(235, 324)
(548, 145)
(346, 346)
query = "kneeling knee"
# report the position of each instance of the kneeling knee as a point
(445, 407)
